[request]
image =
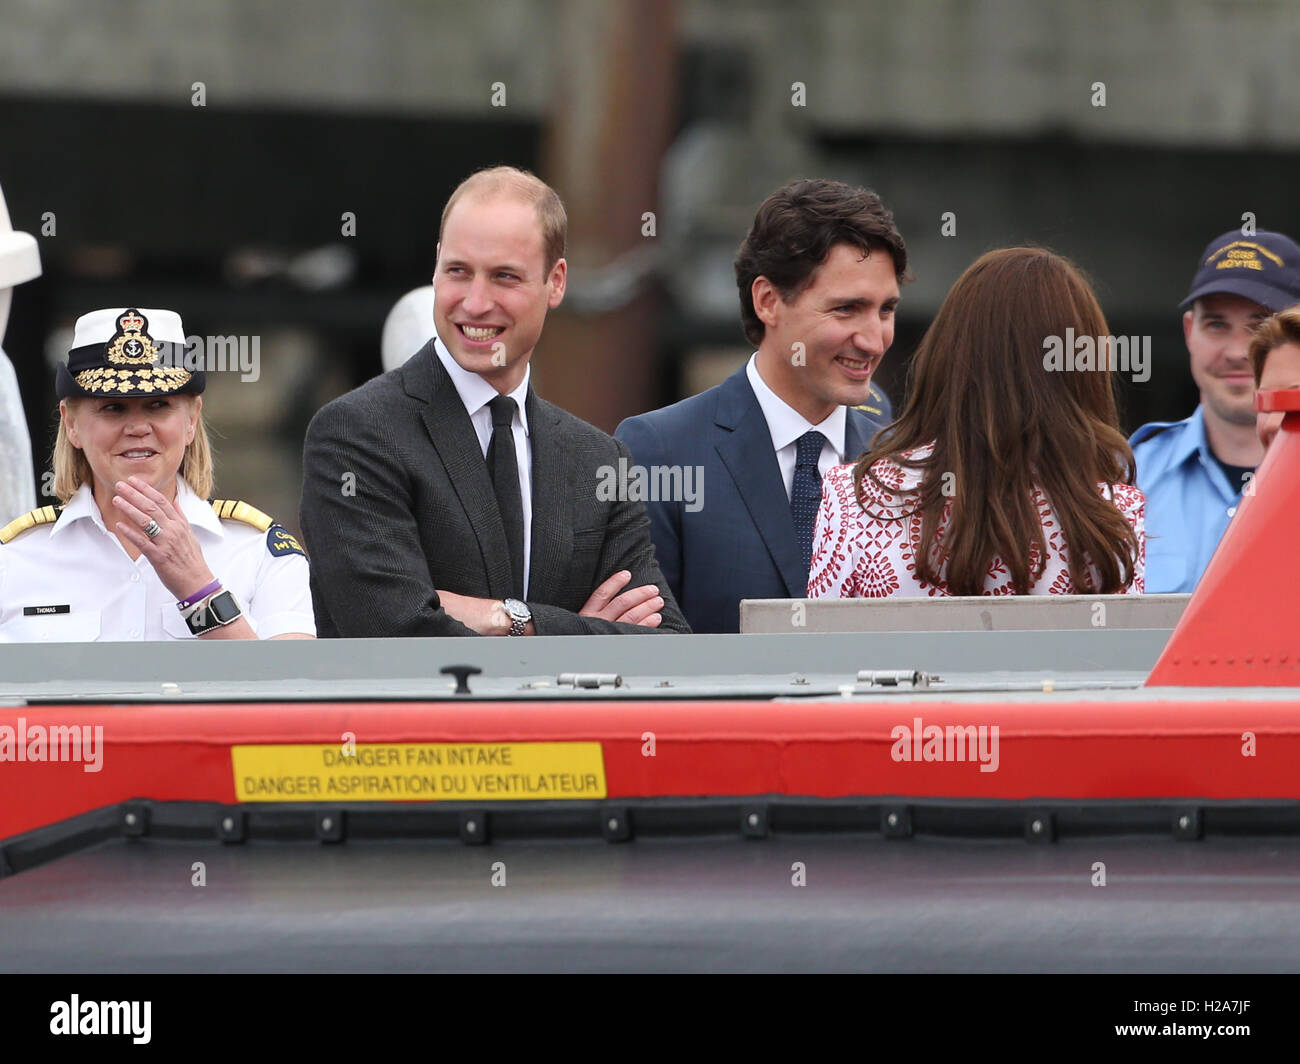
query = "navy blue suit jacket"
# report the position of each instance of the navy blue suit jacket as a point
(740, 542)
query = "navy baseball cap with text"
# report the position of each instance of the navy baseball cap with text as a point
(1264, 267)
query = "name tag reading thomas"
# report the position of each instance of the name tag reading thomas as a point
(41, 611)
(419, 772)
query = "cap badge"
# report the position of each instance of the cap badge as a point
(132, 345)
(1242, 254)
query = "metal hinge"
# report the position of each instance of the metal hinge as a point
(895, 678)
(589, 680)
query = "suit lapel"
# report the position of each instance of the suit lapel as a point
(553, 494)
(746, 451)
(456, 442)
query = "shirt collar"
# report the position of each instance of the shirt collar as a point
(78, 508)
(475, 393)
(785, 423)
(82, 507)
(198, 512)
(1192, 441)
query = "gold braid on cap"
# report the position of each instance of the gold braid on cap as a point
(132, 346)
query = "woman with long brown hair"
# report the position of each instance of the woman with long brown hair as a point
(1006, 472)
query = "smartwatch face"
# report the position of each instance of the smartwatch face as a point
(220, 610)
(223, 608)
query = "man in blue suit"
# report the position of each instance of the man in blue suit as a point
(818, 277)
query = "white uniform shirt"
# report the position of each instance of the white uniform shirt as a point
(77, 563)
(786, 425)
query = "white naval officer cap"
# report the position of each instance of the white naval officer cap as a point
(127, 351)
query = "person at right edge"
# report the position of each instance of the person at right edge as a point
(1194, 471)
(1275, 359)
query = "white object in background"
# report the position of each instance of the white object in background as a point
(20, 260)
(408, 327)
(17, 493)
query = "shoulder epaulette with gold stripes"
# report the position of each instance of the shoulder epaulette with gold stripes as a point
(241, 511)
(873, 393)
(42, 515)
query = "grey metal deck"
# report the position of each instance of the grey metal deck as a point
(700, 905)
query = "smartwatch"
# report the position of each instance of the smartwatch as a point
(220, 610)
(519, 615)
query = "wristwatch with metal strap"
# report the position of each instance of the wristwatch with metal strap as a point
(519, 615)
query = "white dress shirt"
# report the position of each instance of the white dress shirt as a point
(75, 564)
(476, 393)
(786, 426)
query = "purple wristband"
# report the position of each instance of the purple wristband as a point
(199, 595)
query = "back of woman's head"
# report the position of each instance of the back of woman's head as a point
(992, 389)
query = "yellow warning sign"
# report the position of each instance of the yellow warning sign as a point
(419, 772)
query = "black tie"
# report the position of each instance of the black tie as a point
(806, 492)
(504, 470)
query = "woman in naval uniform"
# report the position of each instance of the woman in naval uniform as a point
(135, 551)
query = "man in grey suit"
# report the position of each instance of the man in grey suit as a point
(445, 497)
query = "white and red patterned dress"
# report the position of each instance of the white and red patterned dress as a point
(858, 556)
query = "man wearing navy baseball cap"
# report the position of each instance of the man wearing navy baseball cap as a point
(1193, 471)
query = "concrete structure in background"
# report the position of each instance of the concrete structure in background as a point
(951, 90)
(1177, 72)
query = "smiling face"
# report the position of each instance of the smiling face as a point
(143, 436)
(492, 287)
(1281, 370)
(1218, 329)
(844, 321)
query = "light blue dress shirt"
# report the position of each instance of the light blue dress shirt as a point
(1189, 501)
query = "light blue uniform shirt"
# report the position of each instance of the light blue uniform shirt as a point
(1189, 501)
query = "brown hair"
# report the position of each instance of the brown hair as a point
(71, 468)
(1002, 423)
(1282, 328)
(794, 231)
(507, 180)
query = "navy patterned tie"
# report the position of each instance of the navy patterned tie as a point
(504, 470)
(806, 492)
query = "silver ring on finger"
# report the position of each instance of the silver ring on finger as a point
(152, 529)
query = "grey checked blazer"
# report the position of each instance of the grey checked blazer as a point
(422, 513)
